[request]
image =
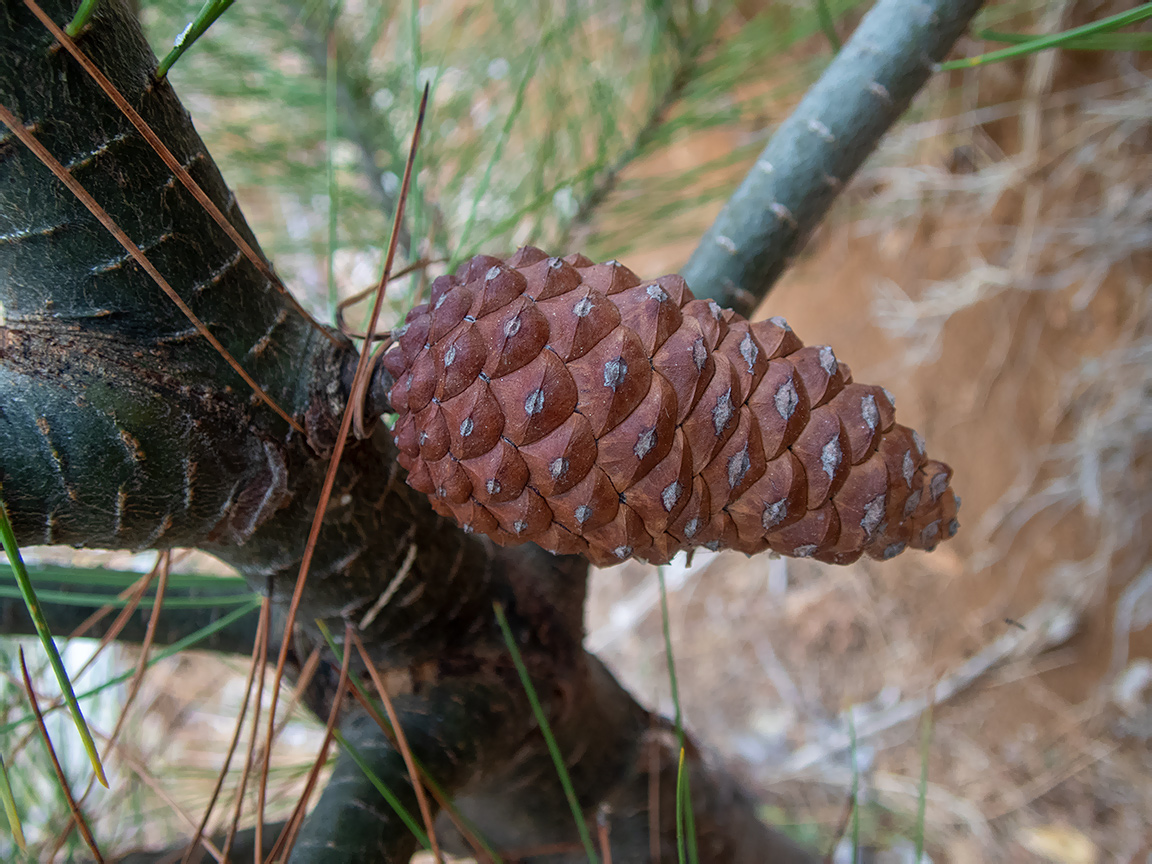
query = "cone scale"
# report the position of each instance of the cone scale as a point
(571, 404)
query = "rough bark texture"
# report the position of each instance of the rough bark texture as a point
(123, 428)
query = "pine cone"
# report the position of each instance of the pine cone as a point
(570, 404)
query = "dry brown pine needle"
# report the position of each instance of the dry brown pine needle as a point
(571, 404)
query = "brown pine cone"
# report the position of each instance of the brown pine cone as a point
(570, 404)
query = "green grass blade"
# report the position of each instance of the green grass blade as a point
(546, 730)
(1055, 40)
(10, 808)
(13, 550)
(204, 19)
(922, 795)
(187, 642)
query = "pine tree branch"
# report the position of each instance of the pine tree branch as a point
(454, 730)
(361, 121)
(815, 152)
(688, 58)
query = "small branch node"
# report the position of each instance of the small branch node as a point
(879, 90)
(783, 214)
(820, 129)
(727, 244)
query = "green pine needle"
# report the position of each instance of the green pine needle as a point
(96, 601)
(546, 730)
(29, 593)
(1055, 40)
(381, 787)
(386, 793)
(1101, 42)
(922, 796)
(685, 816)
(358, 685)
(855, 786)
(10, 808)
(189, 641)
(330, 166)
(681, 805)
(204, 19)
(828, 25)
(86, 10)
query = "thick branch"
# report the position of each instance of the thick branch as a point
(816, 151)
(362, 123)
(612, 746)
(454, 730)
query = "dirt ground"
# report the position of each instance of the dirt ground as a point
(991, 268)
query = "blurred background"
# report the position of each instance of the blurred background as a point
(989, 265)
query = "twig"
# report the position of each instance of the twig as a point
(81, 823)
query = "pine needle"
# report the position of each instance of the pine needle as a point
(196, 28)
(401, 745)
(12, 548)
(546, 731)
(81, 822)
(1055, 40)
(10, 808)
